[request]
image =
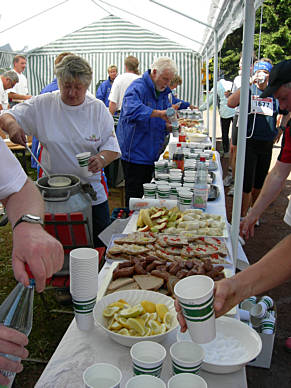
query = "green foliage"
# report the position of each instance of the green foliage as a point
(275, 38)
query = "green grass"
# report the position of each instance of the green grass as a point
(48, 327)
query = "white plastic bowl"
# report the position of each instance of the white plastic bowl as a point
(134, 297)
(231, 327)
(196, 137)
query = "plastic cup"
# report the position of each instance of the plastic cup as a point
(145, 381)
(186, 357)
(147, 358)
(149, 190)
(187, 380)
(195, 295)
(248, 303)
(83, 159)
(102, 375)
(259, 310)
(268, 324)
(267, 301)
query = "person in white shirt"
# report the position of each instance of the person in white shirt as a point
(122, 82)
(67, 122)
(7, 80)
(31, 245)
(20, 90)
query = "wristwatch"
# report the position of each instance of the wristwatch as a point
(103, 158)
(29, 218)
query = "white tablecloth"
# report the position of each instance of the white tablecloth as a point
(78, 350)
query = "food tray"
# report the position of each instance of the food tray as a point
(111, 243)
(213, 193)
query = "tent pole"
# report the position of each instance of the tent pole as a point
(214, 90)
(207, 88)
(248, 44)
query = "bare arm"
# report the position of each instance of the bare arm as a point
(31, 243)
(112, 107)
(269, 272)
(101, 160)
(233, 99)
(14, 130)
(273, 185)
(16, 96)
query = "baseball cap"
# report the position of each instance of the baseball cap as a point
(279, 75)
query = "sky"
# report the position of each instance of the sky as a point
(65, 16)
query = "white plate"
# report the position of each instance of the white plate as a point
(230, 327)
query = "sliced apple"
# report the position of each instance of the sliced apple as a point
(161, 226)
(157, 215)
(144, 229)
(161, 220)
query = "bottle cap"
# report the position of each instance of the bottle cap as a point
(202, 159)
(178, 144)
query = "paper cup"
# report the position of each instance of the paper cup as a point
(186, 357)
(147, 358)
(145, 381)
(267, 301)
(248, 303)
(268, 324)
(102, 375)
(186, 380)
(85, 322)
(149, 190)
(195, 295)
(259, 310)
(83, 159)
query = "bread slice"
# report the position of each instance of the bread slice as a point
(115, 284)
(148, 282)
(130, 286)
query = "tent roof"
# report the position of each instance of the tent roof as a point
(111, 34)
(34, 23)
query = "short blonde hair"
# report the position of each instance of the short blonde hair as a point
(177, 80)
(111, 67)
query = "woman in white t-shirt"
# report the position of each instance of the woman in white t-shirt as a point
(67, 122)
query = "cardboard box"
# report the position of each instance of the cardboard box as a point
(264, 359)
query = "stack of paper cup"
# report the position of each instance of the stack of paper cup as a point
(84, 285)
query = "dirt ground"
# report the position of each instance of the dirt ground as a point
(271, 231)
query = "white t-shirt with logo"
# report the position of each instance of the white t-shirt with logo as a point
(12, 175)
(65, 131)
(120, 84)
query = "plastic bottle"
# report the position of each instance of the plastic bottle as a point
(172, 116)
(201, 186)
(16, 312)
(178, 157)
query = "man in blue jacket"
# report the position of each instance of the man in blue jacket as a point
(143, 125)
(104, 89)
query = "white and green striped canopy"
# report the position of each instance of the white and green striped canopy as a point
(110, 41)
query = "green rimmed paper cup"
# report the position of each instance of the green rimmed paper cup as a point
(195, 295)
(84, 313)
(145, 381)
(147, 358)
(186, 357)
(83, 160)
(102, 375)
(187, 380)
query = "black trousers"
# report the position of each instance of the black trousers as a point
(225, 124)
(135, 175)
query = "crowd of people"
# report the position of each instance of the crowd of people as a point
(63, 118)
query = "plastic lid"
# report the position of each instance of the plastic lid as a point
(202, 159)
(179, 144)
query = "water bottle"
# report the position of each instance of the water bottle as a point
(178, 157)
(201, 187)
(16, 312)
(172, 116)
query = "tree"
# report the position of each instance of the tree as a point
(275, 38)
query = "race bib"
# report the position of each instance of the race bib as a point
(262, 106)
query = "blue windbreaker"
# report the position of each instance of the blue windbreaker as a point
(140, 136)
(103, 91)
